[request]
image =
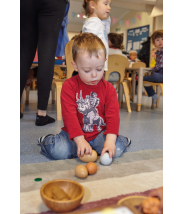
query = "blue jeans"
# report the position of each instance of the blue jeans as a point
(154, 77)
(61, 147)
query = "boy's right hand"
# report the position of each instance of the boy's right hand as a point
(82, 146)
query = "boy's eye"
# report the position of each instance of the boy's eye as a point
(86, 71)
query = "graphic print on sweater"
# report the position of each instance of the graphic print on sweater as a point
(88, 108)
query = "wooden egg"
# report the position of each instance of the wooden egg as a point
(89, 158)
(91, 167)
(81, 171)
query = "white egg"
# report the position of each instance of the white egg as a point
(105, 160)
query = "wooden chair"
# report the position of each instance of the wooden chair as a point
(59, 83)
(118, 63)
(157, 86)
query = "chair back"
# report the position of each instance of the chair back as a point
(138, 65)
(69, 58)
(116, 63)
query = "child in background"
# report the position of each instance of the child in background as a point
(90, 107)
(115, 42)
(133, 57)
(157, 72)
(153, 55)
(98, 21)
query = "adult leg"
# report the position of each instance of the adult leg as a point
(58, 146)
(28, 39)
(121, 144)
(51, 13)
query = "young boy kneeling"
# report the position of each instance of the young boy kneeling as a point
(90, 107)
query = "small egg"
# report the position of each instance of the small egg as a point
(105, 160)
(89, 158)
(91, 167)
(81, 171)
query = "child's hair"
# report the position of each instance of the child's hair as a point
(88, 42)
(132, 51)
(156, 34)
(116, 39)
(87, 8)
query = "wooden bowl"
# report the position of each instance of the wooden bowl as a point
(132, 200)
(72, 188)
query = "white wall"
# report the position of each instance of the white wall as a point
(159, 22)
(145, 20)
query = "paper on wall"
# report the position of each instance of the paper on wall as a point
(136, 45)
(129, 46)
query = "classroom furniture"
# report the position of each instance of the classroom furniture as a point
(59, 83)
(118, 63)
(140, 71)
(27, 88)
(158, 87)
(22, 102)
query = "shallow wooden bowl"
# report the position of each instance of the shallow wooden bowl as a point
(72, 188)
(133, 200)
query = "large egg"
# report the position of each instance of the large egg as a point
(89, 158)
(91, 167)
(105, 160)
(81, 171)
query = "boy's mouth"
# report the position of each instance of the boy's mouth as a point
(94, 82)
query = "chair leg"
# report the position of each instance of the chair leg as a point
(22, 102)
(34, 84)
(27, 94)
(161, 87)
(58, 101)
(125, 87)
(53, 93)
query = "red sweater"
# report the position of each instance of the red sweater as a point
(89, 109)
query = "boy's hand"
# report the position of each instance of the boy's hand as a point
(109, 145)
(82, 146)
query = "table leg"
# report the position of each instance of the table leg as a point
(158, 93)
(133, 86)
(139, 90)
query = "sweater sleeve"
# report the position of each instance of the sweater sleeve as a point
(69, 110)
(112, 112)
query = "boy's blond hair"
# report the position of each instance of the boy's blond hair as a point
(132, 51)
(87, 42)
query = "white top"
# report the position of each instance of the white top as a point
(101, 28)
(116, 51)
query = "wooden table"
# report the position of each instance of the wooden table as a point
(140, 71)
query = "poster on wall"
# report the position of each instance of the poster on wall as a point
(135, 37)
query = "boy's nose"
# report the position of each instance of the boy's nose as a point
(109, 7)
(94, 74)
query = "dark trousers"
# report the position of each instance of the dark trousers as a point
(40, 23)
(154, 77)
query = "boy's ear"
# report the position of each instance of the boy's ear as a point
(74, 65)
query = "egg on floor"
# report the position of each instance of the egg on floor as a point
(91, 167)
(81, 171)
(105, 160)
(89, 158)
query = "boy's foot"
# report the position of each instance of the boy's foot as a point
(154, 99)
(129, 141)
(40, 140)
(43, 120)
(21, 115)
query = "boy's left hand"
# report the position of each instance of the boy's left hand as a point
(110, 147)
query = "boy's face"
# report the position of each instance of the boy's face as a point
(90, 69)
(102, 9)
(133, 56)
(159, 43)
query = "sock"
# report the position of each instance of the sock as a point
(43, 120)
(154, 98)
